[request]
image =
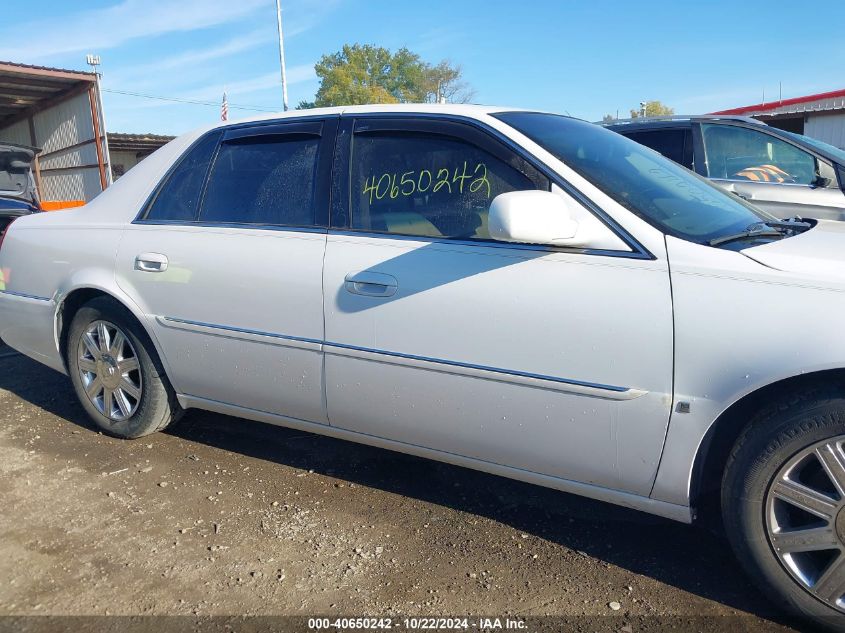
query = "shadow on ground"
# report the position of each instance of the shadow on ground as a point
(683, 556)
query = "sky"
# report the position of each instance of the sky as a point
(583, 58)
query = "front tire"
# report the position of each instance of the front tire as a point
(783, 504)
(116, 372)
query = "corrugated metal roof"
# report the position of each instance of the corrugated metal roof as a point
(25, 88)
(119, 141)
(48, 68)
(833, 100)
(125, 136)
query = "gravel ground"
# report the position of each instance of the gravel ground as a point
(226, 516)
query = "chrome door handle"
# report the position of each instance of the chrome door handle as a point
(371, 284)
(151, 262)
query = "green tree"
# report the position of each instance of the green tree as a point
(362, 74)
(446, 83)
(653, 108)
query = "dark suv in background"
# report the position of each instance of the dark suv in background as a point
(783, 173)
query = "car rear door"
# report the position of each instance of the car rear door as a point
(226, 262)
(550, 360)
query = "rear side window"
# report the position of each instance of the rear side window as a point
(263, 180)
(178, 198)
(673, 144)
(426, 185)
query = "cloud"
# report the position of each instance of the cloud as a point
(102, 29)
(438, 40)
(267, 81)
(236, 91)
(195, 59)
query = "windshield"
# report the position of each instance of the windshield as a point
(661, 192)
(837, 153)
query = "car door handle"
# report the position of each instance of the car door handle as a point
(151, 262)
(371, 284)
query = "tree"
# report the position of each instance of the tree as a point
(653, 108)
(445, 82)
(608, 118)
(362, 74)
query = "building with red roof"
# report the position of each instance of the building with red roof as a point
(820, 116)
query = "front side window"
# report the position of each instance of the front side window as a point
(427, 185)
(177, 199)
(742, 154)
(263, 180)
(659, 191)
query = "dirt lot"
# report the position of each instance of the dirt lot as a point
(226, 516)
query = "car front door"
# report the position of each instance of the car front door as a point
(548, 360)
(226, 262)
(771, 173)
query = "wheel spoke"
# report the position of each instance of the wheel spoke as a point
(103, 335)
(805, 498)
(116, 344)
(91, 346)
(126, 386)
(107, 401)
(122, 402)
(831, 457)
(88, 365)
(93, 388)
(127, 365)
(809, 540)
(831, 584)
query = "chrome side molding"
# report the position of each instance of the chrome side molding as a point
(539, 381)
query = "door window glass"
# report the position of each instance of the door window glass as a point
(670, 143)
(177, 200)
(263, 180)
(741, 154)
(427, 185)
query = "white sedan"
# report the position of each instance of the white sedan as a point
(518, 292)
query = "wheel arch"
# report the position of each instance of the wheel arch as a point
(71, 300)
(714, 450)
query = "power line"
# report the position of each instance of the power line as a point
(191, 101)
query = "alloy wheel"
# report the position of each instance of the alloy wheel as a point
(805, 519)
(110, 371)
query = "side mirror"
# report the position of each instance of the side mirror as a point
(533, 217)
(821, 182)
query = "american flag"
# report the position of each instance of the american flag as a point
(224, 109)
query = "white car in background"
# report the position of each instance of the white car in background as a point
(522, 293)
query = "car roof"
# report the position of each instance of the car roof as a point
(674, 120)
(460, 109)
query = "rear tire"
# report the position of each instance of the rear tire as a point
(783, 504)
(116, 372)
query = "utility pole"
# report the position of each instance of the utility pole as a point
(94, 62)
(282, 54)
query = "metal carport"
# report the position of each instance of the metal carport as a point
(57, 111)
